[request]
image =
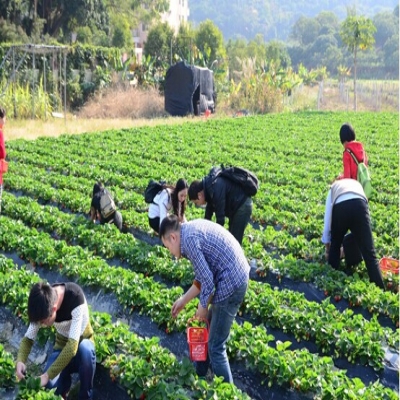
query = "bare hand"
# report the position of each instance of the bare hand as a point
(44, 379)
(201, 312)
(177, 307)
(20, 370)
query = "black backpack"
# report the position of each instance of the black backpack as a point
(241, 176)
(152, 189)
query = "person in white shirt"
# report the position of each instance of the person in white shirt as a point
(171, 198)
(347, 209)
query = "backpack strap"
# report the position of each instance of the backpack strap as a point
(354, 157)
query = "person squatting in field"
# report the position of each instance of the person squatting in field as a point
(226, 199)
(3, 153)
(347, 209)
(64, 306)
(221, 278)
(99, 213)
(170, 198)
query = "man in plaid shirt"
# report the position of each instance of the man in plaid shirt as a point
(221, 278)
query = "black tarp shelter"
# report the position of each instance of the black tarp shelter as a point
(189, 90)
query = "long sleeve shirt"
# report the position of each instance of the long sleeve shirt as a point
(219, 263)
(341, 190)
(161, 206)
(72, 324)
(3, 153)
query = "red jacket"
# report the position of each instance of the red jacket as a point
(2, 152)
(349, 165)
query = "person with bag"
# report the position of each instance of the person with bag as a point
(103, 208)
(64, 307)
(3, 153)
(221, 273)
(224, 197)
(351, 146)
(167, 199)
(346, 209)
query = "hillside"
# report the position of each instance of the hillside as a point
(273, 18)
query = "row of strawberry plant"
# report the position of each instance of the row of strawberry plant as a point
(144, 258)
(372, 334)
(282, 366)
(277, 210)
(156, 371)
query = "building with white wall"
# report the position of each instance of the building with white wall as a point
(178, 13)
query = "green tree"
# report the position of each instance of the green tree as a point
(158, 44)
(387, 25)
(305, 30)
(183, 43)
(121, 36)
(357, 33)
(210, 42)
(276, 51)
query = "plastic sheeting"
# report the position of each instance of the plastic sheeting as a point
(189, 90)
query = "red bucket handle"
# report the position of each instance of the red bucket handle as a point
(200, 320)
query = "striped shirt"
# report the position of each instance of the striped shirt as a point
(217, 257)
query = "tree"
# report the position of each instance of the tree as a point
(158, 44)
(210, 42)
(387, 25)
(305, 30)
(357, 33)
(276, 51)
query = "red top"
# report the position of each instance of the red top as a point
(2, 152)
(349, 165)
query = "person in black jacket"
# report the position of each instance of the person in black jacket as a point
(97, 214)
(224, 198)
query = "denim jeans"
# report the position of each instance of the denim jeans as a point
(238, 223)
(84, 363)
(221, 317)
(353, 215)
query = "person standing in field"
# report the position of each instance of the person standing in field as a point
(171, 198)
(103, 207)
(64, 306)
(348, 140)
(3, 153)
(224, 198)
(347, 209)
(221, 275)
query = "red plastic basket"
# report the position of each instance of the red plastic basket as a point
(197, 338)
(388, 264)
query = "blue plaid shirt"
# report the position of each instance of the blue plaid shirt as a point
(217, 257)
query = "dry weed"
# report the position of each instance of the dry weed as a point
(124, 101)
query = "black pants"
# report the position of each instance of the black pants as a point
(155, 224)
(353, 215)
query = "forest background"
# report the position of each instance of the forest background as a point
(262, 50)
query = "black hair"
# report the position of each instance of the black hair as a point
(347, 133)
(179, 209)
(42, 299)
(98, 186)
(169, 224)
(194, 189)
(2, 112)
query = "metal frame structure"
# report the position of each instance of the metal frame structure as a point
(60, 51)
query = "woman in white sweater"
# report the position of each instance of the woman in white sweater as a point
(346, 210)
(170, 198)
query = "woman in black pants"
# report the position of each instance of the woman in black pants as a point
(347, 209)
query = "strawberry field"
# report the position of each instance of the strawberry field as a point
(304, 330)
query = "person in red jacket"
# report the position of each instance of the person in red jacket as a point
(348, 139)
(2, 148)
